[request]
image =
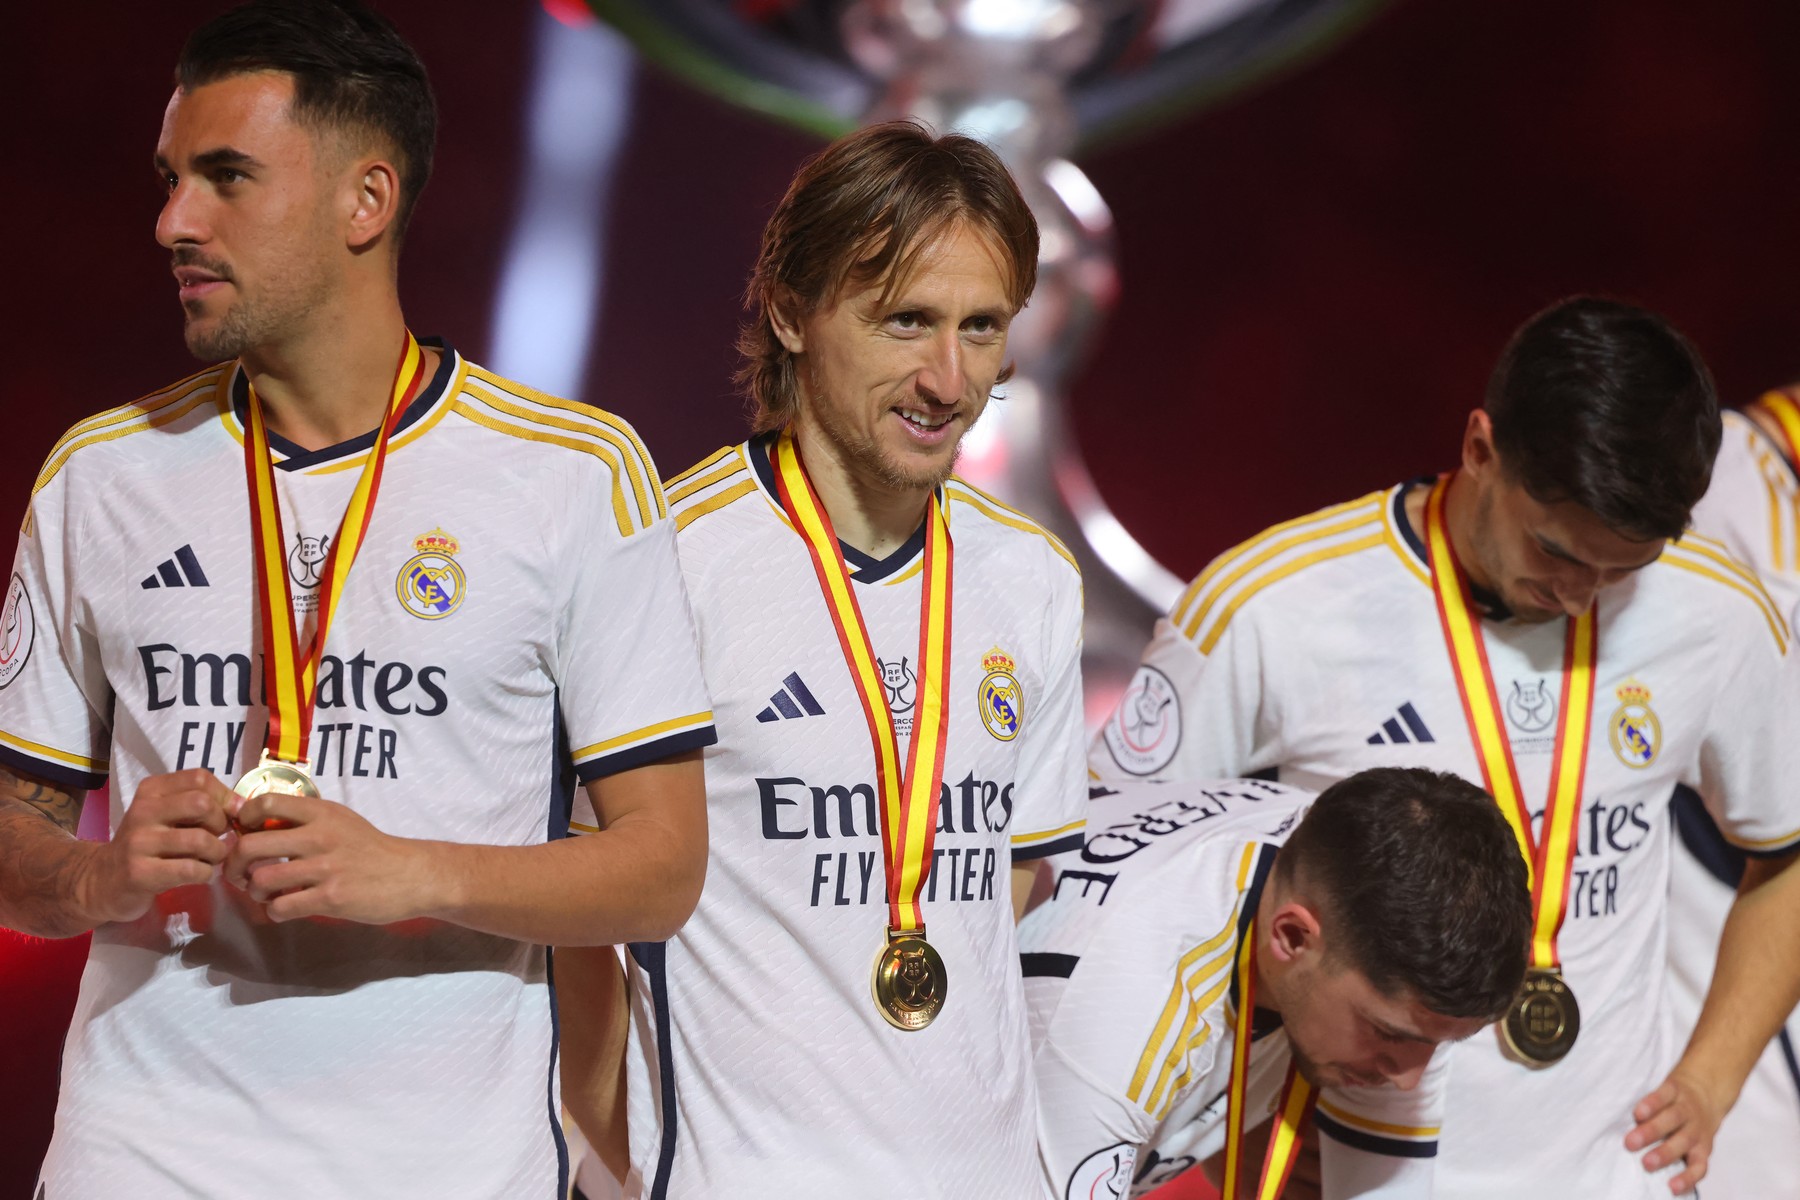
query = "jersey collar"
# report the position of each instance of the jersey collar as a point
(864, 568)
(1262, 1022)
(290, 457)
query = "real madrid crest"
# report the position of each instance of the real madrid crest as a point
(1633, 729)
(1000, 698)
(431, 584)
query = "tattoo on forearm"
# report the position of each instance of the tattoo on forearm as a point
(63, 808)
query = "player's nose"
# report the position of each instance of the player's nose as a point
(180, 220)
(942, 375)
(1406, 1067)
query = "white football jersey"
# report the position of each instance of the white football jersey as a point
(1315, 650)
(1128, 977)
(515, 617)
(760, 1065)
(1753, 507)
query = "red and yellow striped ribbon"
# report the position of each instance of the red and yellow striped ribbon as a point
(909, 801)
(1297, 1096)
(1550, 857)
(290, 672)
(1785, 411)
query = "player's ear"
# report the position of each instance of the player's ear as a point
(1294, 933)
(1478, 453)
(784, 319)
(374, 198)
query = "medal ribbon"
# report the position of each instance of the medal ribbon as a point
(1786, 413)
(290, 672)
(1296, 1095)
(1549, 857)
(909, 801)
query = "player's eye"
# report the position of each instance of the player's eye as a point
(907, 322)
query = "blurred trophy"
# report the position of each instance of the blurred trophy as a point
(1039, 80)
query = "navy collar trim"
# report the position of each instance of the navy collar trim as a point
(864, 568)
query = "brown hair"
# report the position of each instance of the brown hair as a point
(863, 209)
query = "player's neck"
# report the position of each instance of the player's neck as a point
(331, 381)
(1459, 522)
(865, 513)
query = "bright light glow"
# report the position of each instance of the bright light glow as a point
(549, 294)
(1078, 192)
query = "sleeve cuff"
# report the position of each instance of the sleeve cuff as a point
(1044, 843)
(66, 769)
(1374, 1143)
(636, 753)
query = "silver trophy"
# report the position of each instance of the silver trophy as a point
(1038, 80)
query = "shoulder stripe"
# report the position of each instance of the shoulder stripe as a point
(621, 512)
(1292, 567)
(974, 497)
(687, 515)
(1248, 562)
(636, 461)
(1178, 614)
(119, 422)
(619, 430)
(700, 466)
(700, 483)
(1690, 555)
(145, 403)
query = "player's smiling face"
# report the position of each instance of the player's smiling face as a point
(888, 388)
(249, 217)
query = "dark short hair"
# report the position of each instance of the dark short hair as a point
(1419, 884)
(352, 71)
(1608, 406)
(859, 211)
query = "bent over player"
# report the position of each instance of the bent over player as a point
(384, 591)
(1209, 936)
(1527, 622)
(894, 661)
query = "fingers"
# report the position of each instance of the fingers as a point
(271, 811)
(1660, 1099)
(272, 880)
(1697, 1161)
(254, 849)
(197, 798)
(1659, 1126)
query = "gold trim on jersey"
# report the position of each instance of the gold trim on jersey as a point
(685, 516)
(1370, 1125)
(1270, 551)
(647, 733)
(137, 417)
(588, 421)
(621, 510)
(1298, 565)
(1736, 576)
(1764, 845)
(407, 436)
(578, 827)
(1033, 839)
(700, 483)
(1177, 615)
(994, 510)
(39, 750)
(1186, 1001)
(704, 464)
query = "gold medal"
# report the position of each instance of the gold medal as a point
(1543, 1021)
(909, 981)
(280, 778)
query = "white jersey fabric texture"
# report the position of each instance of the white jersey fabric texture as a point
(1753, 507)
(515, 615)
(1314, 651)
(1128, 976)
(759, 1063)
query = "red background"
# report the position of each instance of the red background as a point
(1315, 276)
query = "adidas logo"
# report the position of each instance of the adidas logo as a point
(1393, 733)
(793, 700)
(181, 571)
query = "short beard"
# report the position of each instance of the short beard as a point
(248, 324)
(866, 456)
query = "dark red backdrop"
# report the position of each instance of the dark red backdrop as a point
(1315, 277)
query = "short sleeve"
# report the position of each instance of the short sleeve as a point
(627, 668)
(1382, 1142)
(1749, 760)
(55, 702)
(1187, 713)
(1051, 800)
